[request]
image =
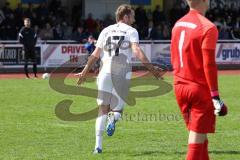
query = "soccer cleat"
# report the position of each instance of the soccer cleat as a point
(110, 124)
(97, 151)
(27, 76)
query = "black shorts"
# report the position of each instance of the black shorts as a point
(29, 54)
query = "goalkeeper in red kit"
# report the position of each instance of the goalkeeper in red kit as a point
(193, 45)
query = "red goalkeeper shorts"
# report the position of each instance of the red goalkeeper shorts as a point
(196, 105)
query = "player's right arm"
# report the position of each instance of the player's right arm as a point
(20, 36)
(92, 58)
(91, 61)
(210, 69)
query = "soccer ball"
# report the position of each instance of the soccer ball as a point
(45, 76)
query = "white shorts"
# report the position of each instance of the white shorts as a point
(112, 90)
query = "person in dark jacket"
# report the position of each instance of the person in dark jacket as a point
(28, 38)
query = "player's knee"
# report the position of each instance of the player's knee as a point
(103, 109)
(195, 137)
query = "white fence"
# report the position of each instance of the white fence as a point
(56, 53)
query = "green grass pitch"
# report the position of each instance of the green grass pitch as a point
(30, 130)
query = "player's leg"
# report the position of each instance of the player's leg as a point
(205, 155)
(195, 137)
(26, 60)
(35, 69)
(117, 106)
(34, 60)
(117, 114)
(100, 126)
(117, 103)
(26, 68)
(202, 121)
(196, 146)
(103, 100)
(198, 112)
(113, 117)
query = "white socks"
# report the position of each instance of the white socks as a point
(100, 126)
(117, 116)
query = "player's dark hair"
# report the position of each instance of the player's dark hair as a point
(123, 10)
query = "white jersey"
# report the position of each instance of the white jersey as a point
(115, 42)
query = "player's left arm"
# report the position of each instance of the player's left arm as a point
(157, 72)
(137, 51)
(35, 37)
(210, 69)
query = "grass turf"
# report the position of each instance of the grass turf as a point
(29, 128)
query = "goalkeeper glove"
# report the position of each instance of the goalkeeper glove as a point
(220, 107)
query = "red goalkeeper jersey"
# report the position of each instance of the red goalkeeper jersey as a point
(190, 36)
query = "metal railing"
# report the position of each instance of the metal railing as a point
(75, 42)
(41, 42)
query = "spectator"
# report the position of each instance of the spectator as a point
(67, 30)
(3, 33)
(99, 28)
(2, 16)
(141, 21)
(7, 10)
(54, 14)
(42, 21)
(158, 16)
(176, 13)
(90, 44)
(47, 32)
(235, 34)
(108, 20)
(233, 12)
(58, 33)
(19, 14)
(223, 33)
(2, 26)
(29, 12)
(91, 24)
(143, 32)
(150, 27)
(76, 13)
(34, 20)
(210, 16)
(229, 23)
(156, 33)
(218, 22)
(10, 24)
(79, 35)
(141, 17)
(55, 5)
(166, 32)
(237, 23)
(42, 10)
(37, 31)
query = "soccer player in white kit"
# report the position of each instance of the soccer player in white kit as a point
(114, 47)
